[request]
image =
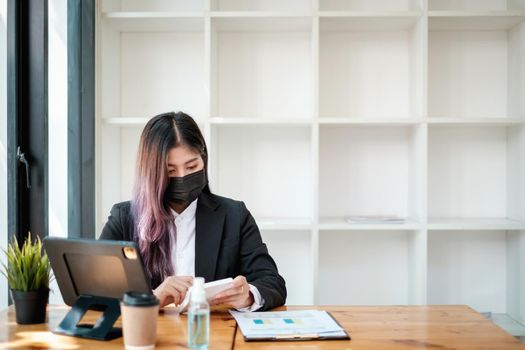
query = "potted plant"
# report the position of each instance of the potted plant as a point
(28, 273)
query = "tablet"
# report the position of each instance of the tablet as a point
(96, 268)
(94, 275)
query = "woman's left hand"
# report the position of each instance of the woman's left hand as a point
(237, 296)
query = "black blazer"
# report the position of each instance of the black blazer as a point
(227, 244)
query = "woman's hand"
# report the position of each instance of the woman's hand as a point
(173, 289)
(237, 296)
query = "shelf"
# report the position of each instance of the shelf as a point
(475, 5)
(367, 22)
(258, 22)
(370, 15)
(482, 14)
(510, 325)
(369, 121)
(435, 121)
(367, 5)
(280, 224)
(153, 5)
(125, 121)
(154, 21)
(260, 14)
(261, 5)
(260, 121)
(339, 224)
(217, 121)
(444, 121)
(150, 15)
(474, 224)
(399, 17)
(474, 21)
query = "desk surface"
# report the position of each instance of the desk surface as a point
(171, 332)
(371, 327)
(406, 327)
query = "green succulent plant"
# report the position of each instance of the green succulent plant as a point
(28, 268)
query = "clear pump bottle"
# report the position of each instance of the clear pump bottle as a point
(198, 316)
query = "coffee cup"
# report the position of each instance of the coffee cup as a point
(139, 320)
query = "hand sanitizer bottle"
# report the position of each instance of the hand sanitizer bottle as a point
(198, 317)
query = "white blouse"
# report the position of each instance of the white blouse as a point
(183, 250)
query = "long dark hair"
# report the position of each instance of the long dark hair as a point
(153, 219)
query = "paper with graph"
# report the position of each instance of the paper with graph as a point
(283, 325)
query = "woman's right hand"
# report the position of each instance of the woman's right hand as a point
(173, 289)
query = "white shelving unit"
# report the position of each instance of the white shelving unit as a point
(316, 110)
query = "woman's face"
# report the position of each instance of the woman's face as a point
(183, 161)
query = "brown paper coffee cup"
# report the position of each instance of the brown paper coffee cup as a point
(139, 321)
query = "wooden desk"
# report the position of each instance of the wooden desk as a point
(371, 327)
(404, 327)
(171, 332)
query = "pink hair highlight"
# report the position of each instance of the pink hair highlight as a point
(154, 222)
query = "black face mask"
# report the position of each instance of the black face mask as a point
(184, 190)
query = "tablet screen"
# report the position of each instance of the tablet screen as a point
(103, 276)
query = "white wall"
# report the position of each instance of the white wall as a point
(57, 109)
(3, 144)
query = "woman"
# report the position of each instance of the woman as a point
(183, 230)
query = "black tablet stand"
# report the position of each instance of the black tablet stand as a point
(102, 329)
